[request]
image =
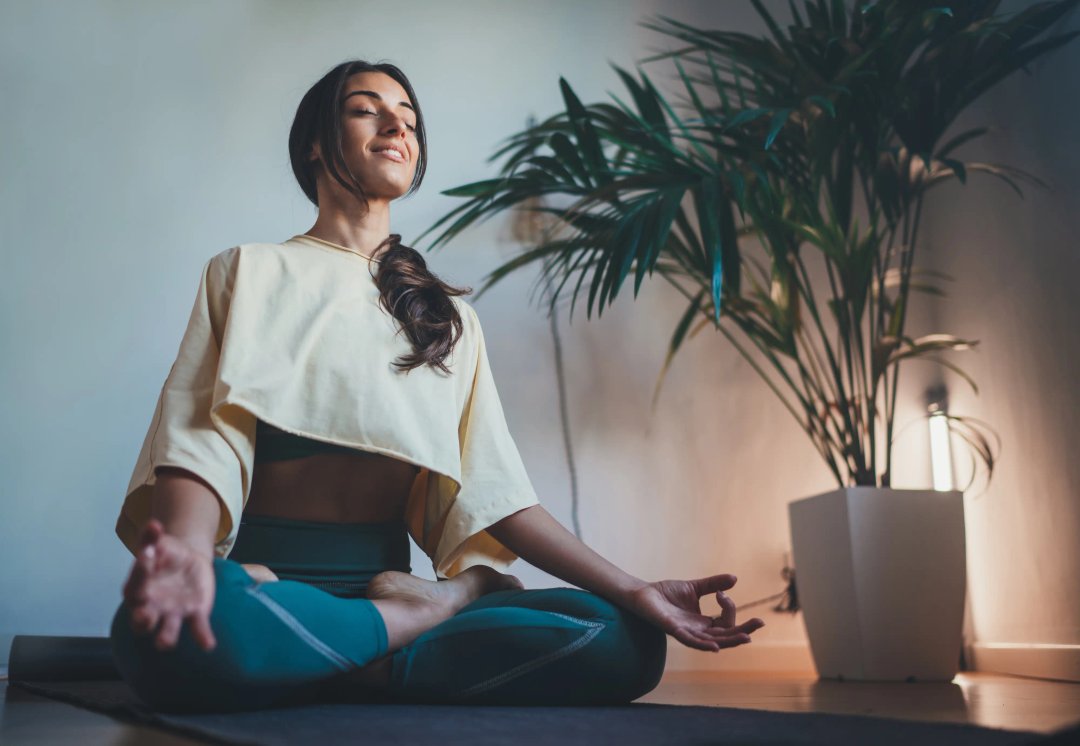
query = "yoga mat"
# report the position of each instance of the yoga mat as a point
(635, 724)
(64, 668)
(58, 658)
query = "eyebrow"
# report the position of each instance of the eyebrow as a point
(377, 97)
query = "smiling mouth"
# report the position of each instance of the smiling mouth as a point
(391, 154)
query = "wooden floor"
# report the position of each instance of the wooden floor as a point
(992, 700)
(987, 699)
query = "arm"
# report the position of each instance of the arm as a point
(672, 605)
(534, 535)
(184, 437)
(187, 508)
(172, 578)
(190, 510)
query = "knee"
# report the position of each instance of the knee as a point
(631, 652)
(649, 646)
(184, 678)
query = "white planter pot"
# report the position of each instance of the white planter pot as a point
(880, 574)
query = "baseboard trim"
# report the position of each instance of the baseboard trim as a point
(1037, 660)
(777, 657)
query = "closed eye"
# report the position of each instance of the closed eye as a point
(366, 111)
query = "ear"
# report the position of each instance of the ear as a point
(315, 153)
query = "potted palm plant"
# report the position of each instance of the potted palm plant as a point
(782, 198)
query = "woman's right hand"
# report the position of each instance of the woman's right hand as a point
(170, 582)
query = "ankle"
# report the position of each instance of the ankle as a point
(407, 619)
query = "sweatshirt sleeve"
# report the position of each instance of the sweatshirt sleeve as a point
(185, 431)
(494, 482)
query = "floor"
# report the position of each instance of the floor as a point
(992, 700)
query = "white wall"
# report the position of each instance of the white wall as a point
(141, 139)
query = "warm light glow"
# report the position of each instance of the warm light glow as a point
(940, 451)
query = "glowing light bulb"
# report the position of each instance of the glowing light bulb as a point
(940, 450)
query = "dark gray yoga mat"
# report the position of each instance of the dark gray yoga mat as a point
(38, 664)
(60, 658)
(450, 725)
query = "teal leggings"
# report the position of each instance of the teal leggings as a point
(297, 640)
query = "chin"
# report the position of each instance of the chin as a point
(385, 191)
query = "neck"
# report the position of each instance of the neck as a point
(347, 225)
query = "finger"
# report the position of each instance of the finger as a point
(702, 643)
(750, 626)
(201, 631)
(144, 619)
(746, 627)
(691, 639)
(151, 532)
(716, 622)
(149, 556)
(732, 642)
(727, 610)
(718, 639)
(135, 585)
(716, 634)
(713, 583)
(142, 566)
(169, 632)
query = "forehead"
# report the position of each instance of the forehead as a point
(379, 82)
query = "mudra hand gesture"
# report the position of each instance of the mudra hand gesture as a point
(674, 606)
(170, 583)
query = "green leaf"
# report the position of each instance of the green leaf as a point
(677, 339)
(586, 135)
(779, 119)
(568, 154)
(960, 139)
(958, 168)
(474, 189)
(646, 104)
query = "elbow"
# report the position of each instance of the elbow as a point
(508, 530)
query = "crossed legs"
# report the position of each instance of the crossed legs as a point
(283, 642)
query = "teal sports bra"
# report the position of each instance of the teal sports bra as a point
(274, 444)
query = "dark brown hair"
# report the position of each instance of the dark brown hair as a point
(408, 290)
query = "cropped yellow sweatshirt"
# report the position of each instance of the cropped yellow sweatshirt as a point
(293, 334)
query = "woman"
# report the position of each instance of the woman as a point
(288, 462)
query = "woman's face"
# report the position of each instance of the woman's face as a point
(378, 118)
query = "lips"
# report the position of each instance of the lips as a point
(388, 151)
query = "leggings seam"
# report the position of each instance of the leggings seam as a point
(306, 635)
(595, 628)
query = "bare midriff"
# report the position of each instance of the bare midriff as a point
(361, 487)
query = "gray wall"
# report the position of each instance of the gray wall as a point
(141, 139)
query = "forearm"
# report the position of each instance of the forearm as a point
(534, 535)
(187, 508)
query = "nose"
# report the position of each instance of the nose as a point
(395, 124)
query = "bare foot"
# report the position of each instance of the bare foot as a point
(260, 573)
(448, 596)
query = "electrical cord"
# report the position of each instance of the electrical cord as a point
(563, 413)
(789, 597)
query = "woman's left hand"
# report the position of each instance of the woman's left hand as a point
(674, 606)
